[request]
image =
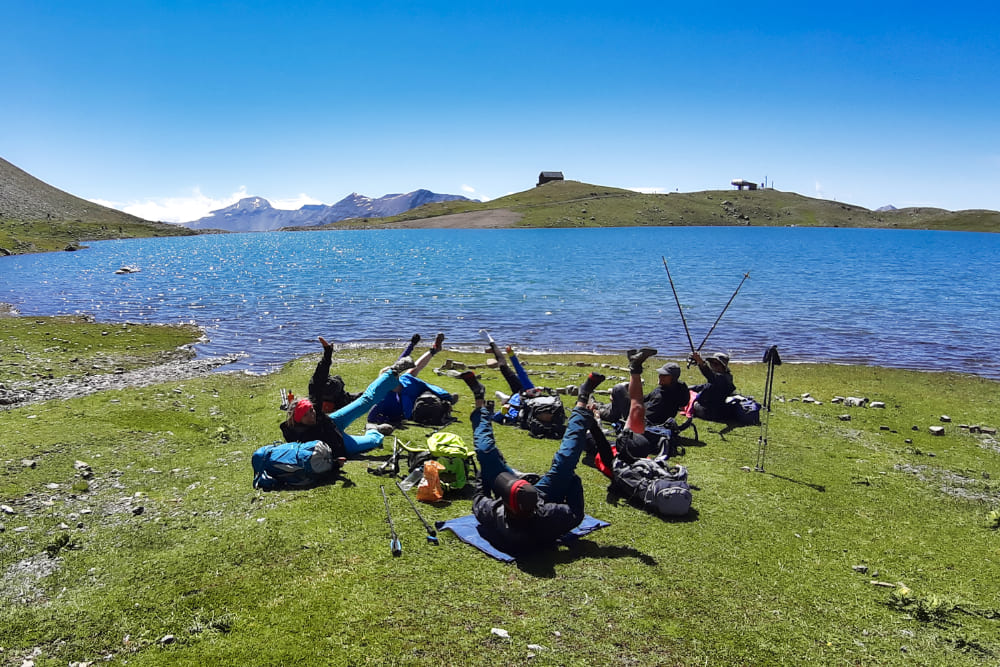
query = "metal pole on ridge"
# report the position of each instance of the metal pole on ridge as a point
(705, 339)
(772, 359)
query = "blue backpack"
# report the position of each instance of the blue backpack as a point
(292, 464)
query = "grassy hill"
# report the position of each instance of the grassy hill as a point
(576, 204)
(36, 217)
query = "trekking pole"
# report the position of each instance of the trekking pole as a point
(394, 544)
(772, 359)
(679, 309)
(705, 339)
(431, 533)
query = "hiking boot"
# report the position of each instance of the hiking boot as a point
(589, 385)
(402, 364)
(478, 390)
(636, 357)
(414, 339)
(502, 397)
(438, 342)
(385, 429)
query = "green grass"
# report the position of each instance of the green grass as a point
(20, 237)
(576, 204)
(763, 572)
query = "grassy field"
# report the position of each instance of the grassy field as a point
(131, 533)
(19, 237)
(576, 204)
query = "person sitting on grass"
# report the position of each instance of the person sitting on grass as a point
(710, 404)
(305, 423)
(668, 397)
(524, 516)
(399, 404)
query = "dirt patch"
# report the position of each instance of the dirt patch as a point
(953, 484)
(500, 218)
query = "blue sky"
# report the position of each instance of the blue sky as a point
(171, 109)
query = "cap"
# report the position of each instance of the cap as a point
(721, 357)
(670, 369)
(301, 408)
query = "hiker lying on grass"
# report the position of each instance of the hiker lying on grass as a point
(653, 484)
(526, 516)
(305, 423)
(518, 381)
(710, 404)
(412, 392)
(325, 391)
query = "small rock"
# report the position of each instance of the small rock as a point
(908, 441)
(844, 418)
(745, 468)
(6, 509)
(500, 632)
(988, 430)
(914, 428)
(837, 399)
(883, 428)
(855, 401)
(136, 511)
(167, 639)
(936, 430)
(21, 529)
(863, 569)
(28, 463)
(877, 404)
(945, 418)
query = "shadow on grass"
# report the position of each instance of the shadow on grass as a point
(542, 563)
(818, 487)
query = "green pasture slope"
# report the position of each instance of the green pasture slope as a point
(131, 533)
(576, 204)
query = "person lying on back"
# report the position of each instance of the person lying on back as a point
(306, 423)
(412, 393)
(526, 516)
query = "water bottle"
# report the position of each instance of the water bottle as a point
(413, 478)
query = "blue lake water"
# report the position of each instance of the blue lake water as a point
(910, 299)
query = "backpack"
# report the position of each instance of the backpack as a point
(450, 451)
(653, 485)
(542, 413)
(292, 464)
(664, 439)
(431, 410)
(743, 410)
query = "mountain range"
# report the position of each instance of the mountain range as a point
(255, 214)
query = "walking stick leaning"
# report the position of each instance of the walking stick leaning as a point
(705, 339)
(678, 301)
(772, 359)
(431, 533)
(394, 544)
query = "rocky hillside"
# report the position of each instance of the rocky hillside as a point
(36, 217)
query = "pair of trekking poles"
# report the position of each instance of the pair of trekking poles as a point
(395, 546)
(771, 358)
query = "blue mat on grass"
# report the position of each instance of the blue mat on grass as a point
(466, 528)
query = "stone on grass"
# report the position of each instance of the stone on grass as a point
(936, 430)
(877, 404)
(945, 418)
(844, 418)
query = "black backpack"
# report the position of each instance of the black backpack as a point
(542, 413)
(430, 409)
(654, 485)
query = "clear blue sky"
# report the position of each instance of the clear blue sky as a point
(168, 109)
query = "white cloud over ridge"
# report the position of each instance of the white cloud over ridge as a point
(196, 205)
(648, 191)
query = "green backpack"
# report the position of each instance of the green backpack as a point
(449, 450)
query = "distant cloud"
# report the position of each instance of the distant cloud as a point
(468, 188)
(471, 191)
(648, 191)
(195, 206)
(819, 190)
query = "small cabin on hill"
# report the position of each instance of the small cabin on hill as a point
(741, 183)
(547, 176)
